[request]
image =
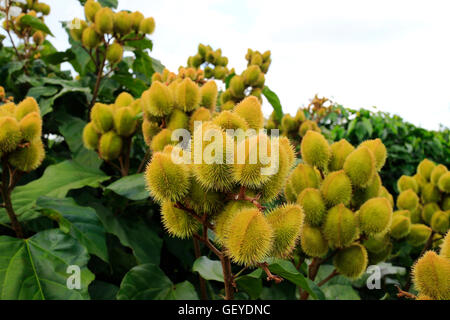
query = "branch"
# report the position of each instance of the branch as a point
(243, 197)
(405, 294)
(330, 276)
(270, 277)
(6, 196)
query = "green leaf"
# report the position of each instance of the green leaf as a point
(340, 292)
(274, 101)
(59, 57)
(157, 65)
(251, 284)
(36, 268)
(131, 187)
(143, 64)
(148, 282)
(208, 269)
(82, 223)
(57, 180)
(140, 44)
(35, 23)
(136, 86)
(99, 290)
(109, 3)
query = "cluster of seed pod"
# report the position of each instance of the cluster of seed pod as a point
(212, 62)
(112, 126)
(227, 194)
(102, 25)
(293, 127)
(20, 135)
(431, 273)
(167, 77)
(344, 203)
(426, 196)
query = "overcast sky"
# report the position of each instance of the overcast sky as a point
(391, 54)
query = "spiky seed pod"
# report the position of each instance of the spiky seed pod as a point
(125, 122)
(31, 126)
(407, 182)
(437, 172)
(110, 146)
(440, 222)
(166, 180)
(27, 106)
(375, 216)
(136, 19)
(90, 9)
(340, 228)
(428, 210)
(114, 53)
(90, 38)
(147, 26)
(250, 237)
(188, 95)
(149, 130)
(288, 123)
(446, 203)
(104, 21)
(10, 134)
(302, 177)
(177, 120)
(229, 120)
(400, 226)
(77, 28)
(201, 114)
(431, 276)
(361, 195)
(384, 193)
(223, 219)
(102, 117)
(336, 188)
(377, 243)
(300, 117)
(307, 126)
(404, 213)
(219, 72)
(407, 200)
(38, 38)
(122, 23)
(158, 100)
(445, 247)
(136, 106)
(425, 168)
(204, 201)
(250, 110)
(339, 152)
(286, 222)
(237, 87)
(124, 100)
(251, 75)
(90, 137)
(352, 261)
(288, 148)
(29, 158)
(160, 140)
(43, 8)
(312, 242)
(315, 150)
(7, 109)
(222, 61)
(360, 166)
(375, 258)
(416, 215)
(444, 182)
(430, 193)
(420, 181)
(379, 151)
(177, 222)
(313, 206)
(209, 94)
(418, 234)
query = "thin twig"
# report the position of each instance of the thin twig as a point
(270, 277)
(330, 276)
(405, 294)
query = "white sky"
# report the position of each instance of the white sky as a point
(391, 54)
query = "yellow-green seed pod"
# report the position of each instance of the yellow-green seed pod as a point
(256, 59)
(361, 195)
(315, 150)
(204, 201)
(375, 216)
(428, 211)
(161, 140)
(313, 206)
(407, 200)
(122, 23)
(250, 237)
(177, 222)
(229, 105)
(77, 28)
(158, 100)
(400, 226)
(431, 276)
(223, 219)
(90, 9)
(306, 126)
(430, 193)
(219, 73)
(104, 21)
(167, 180)
(110, 146)
(228, 120)
(149, 130)
(446, 203)
(379, 151)
(209, 94)
(90, 38)
(125, 122)
(28, 158)
(440, 222)
(416, 214)
(7, 109)
(177, 120)
(90, 137)
(27, 106)
(407, 182)
(340, 228)
(444, 182)
(188, 95)
(425, 168)
(124, 100)
(201, 114)
(237, 87)
(336, 188)
(339, 152)
(38, 38)
(300, 116)
(10, 134)
(312, 242)
(286, 222)
(114, 54)
(43, 8)
(420, 181)
(360, 166)
(437, 172)
(102, 117)
(136, 19)
(377, 243)
(375, 258)
(445, 247)
(418, 235)
(250, 110)
(384, 193)
(288, 124)
(31, 126)
(302, 177)
(147, 26)
(251, 75)
(352, 261)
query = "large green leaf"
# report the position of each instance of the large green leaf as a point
(81, 223)
(251, 283)
(274, 101)
(208, 269)
(148, 282)
(131, 187)
(37, 268)
(57, 180)
(35, 23)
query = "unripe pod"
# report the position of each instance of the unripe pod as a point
(406, 182)
(256, 59)
(29, 158)
(219, 73)
(110, 146)
(446, 203)
(43, 8)
(250, 110)
(209, 95)
(352, 261)
(286, 222)
(125, 122)
(400, 226)
(375, 258)
(339, 152)
(261, 81)
(177, 120)
(162, 139)
(313, 206)
(420, 181)
(136, 19)
(437, 172)
(27, 106)
(229, 120)
(425, 168)
(227, 106)
(201, 114)
(431, 276)
(90, 9)
(307, 126)
(361, 195)
(237, 87)
(90, 38)
(375, 216)
(158, 100)
(104, 21)
(384, 193)
(102, 117)
(300, 116)
(202, 49)
(315, 150)
(408, 200)
(312, 241)
(38, 38)
(418, 235)
(302, 177)
(195, 61)
(222, 61)
(90, 137)
(336, 189)
(31, 126)
(114, 53)
(10, 135)
(444, 182)
(360, 166)
(77, 28)
(222, 220)
(379, 151)
(440, 222)
(147, 26)
(430, 193)
(188, 95)
(177, 222)
(445, 247)
(340, 228)
(288, 123)
(124, 100)
(204, 201)
(250, 237)
(149, 130)
(251, 75)
(428, 211)
(122, 23)
(377, 243)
